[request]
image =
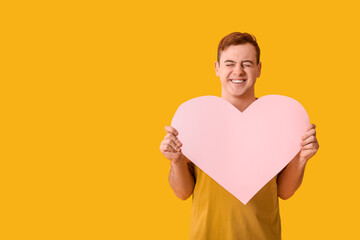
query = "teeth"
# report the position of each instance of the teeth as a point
(237, 81)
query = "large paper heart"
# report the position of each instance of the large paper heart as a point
(241, 151)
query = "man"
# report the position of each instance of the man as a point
(217, 214)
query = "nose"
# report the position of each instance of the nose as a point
(239, 69)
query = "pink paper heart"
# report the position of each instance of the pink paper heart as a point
(241, 151)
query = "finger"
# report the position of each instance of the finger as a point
(176, 149)
(310, 139)
(175, 139)
(310, 126)
(170, 129)
(168, 136)
(309, 153)
(167, 148)
(308, 134)
(171, 143)
(310, 146)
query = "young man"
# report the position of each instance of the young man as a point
(217, 214)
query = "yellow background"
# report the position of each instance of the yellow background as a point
(88, 86)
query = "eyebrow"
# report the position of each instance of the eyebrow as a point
(241, 61)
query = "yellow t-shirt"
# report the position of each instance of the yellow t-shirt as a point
(217, 215)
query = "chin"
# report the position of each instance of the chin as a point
(235, 95)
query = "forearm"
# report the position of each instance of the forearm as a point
(290, 178)
(181, 180)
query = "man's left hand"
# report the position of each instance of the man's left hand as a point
(309, 144)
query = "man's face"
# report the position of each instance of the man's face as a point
(238, 70)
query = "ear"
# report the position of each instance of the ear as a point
(259, 69)
(217, 68)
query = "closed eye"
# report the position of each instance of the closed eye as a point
(243, 65)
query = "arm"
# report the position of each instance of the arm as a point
(290, 178)
(181, 178)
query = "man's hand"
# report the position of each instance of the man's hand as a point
(309, 144)
(290, 178)
(170, 147)
(181, 176)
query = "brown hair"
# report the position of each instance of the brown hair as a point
(237, 38)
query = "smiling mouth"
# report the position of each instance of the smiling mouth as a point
(237, 81)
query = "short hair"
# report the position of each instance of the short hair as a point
(237, 38)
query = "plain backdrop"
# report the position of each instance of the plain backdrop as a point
(87, 88)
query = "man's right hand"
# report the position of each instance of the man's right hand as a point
(170, 147)
(181, 175)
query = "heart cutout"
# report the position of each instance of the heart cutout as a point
(241, 151)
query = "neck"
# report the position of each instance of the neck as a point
(240, 102)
